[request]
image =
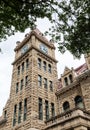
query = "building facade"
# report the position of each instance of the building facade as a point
(38, 99)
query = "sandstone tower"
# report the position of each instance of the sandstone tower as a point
(33, 85)
(38, 99)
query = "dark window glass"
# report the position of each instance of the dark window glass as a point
(51, 85)
(26, 80)
(39, 80)
(22, 83)
(49, 68)
(52, 110)
(39, 63)
(27, 63)
(20, 112)
(25, 109)
(66, 81)
(79, 102)
(44, 66)
(14, 116)
(17, 87)
(5, 114)
(45, 83)
(40, 108)
(18, 70)
(70, 78)
(66, 106)
(22, 66)
(47, 110)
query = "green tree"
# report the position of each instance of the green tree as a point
(70, 17)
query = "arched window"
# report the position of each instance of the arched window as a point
(49, 68)
(66, 106)
(70, 78)
(78, 102)
(44, 65)
(66, 81)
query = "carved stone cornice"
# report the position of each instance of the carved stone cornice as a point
(20, 58)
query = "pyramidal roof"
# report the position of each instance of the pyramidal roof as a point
(39, 35)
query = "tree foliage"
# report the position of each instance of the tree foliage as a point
(70, 17)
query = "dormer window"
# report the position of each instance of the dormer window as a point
(70, 78)
(66, 81)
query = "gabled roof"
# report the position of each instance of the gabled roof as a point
(36, 32)
(66, 70)
(81, 69)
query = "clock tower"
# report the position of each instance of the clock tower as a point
(33, 86)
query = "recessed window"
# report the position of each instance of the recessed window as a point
(14, 115)
(39, 80)
(44, 66)
(5, 114)
(45, 83)
(52, 110)
(79, 102)
(51, 85)
(66, 106)
(66, 81)
(27, 63)
(49, 68)
(39, 63)
(40, 108)
(70, 78)
(20, 112)
(25, 109)
(18, 70)
(22, 83)
(22, 66)
(26, 80)
(47, 110)
(17, 87)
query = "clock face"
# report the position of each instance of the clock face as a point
(24, 49)
(43, 48)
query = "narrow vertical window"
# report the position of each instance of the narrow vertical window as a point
(14, 115)
(5, 114)
(70, 78)
(27, 63)
(39, 63)
(66, 81)
(44, 66)
(40, 108)
(49, 68)
(22, 83)
(39, 80)
(22, 66)
(26, 80)
(51, 85)
(52, 110)
(18, 70)
(20, 112)
(17, 87)
(25, 109)
(47, 110)
(45, 83)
